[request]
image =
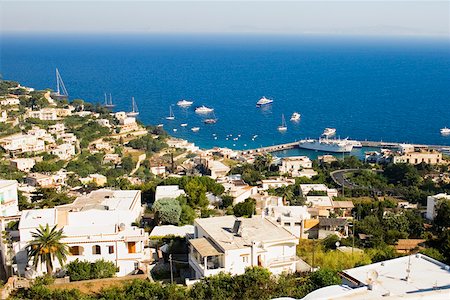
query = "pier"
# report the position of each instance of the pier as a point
(373, 144)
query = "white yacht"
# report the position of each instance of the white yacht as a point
(184, 103)
(445, 131)
(327, 145)
(283, 126)
(134, 110)
(263, 101)
(195, 129)
(203, 110)
(329, 132)
(295, 117)
(171, 115)
(184, 125)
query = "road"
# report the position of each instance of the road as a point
(339, 178)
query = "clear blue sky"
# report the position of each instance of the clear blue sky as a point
(396, 17)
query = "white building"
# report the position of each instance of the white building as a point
(235, 187)
(45, 114)
(158, 170)
(431, 204)
(67, 137)
(3, 116)
(229, 244)
(8, 198)
(10, 100)
(22, 164)
(104, 122)
(168, 191)
(19, 143)
(408, 277)
(46, 181)
(292, 218)
(96, 226)
(275, 183)
(57, 128)
(217, 168)
(63, 151)
(307, 188)
(294, 165)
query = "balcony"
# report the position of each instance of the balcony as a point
(284, 260)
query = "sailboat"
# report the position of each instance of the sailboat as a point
(171, 115)
(61, 91)
(110, 103)
(134, 112)
(283, 126)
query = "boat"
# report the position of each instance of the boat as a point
(184, 125)
(184, 103)
(355, 143)
(212, 120)
(171, 115)
(175, 130)
(283, 126)
(329, 132)
(295, 117)
(326, 145)
(110, 103)
(134, 111)
(445, 131)
(203, 110)
(160, 125)
(61, 91)
(263, 101)
(195, 129)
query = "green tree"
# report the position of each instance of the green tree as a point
(442, 219)
(167, 211)
(227, 201)
(196, 194)
(46, 246)
(245, 209)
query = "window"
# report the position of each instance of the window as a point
(96, 250)
(110, 249)
(298, 224)
(245, 258)
(287, 224)
(76, 250)
(131, 247)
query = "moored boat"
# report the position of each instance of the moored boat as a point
(184, 103)
(203, 110)
(195, 129)
(295, 117)
(283, 126)
(326, 145)
(445, 131)
(329, 132)
(264, 101)
(171, 115)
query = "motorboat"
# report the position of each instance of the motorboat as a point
(195, 129)
(329, 132)
(263, 101)
(203, 110)
(184, 125)
(184, 103)
(295, 117)
(445, 131)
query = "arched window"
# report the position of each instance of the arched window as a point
(76, 250)
(96, 249)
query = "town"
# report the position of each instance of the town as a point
(96, 205)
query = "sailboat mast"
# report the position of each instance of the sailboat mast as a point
(57, 81)
(110, 99)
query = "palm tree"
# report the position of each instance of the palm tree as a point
(47, 245)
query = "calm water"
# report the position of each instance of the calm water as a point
(391, 90)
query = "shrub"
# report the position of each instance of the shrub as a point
(84, 270)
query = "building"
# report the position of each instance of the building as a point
(291, 218)
(235, 187)
(168, 191)
(8, 198)
(408, 277)
(63, 151)
(158, 170)
(229, 244)
(217, 168)
(22, 164)
(96, 226)
(172, 230)
(45, 114)
(317, 189)
(103, 122)
(294, 165)
(57, 128)
(3, 116)
(431, 157)
(21, 143)
(128, 124)
(10, 100)
(46, 181)
(275, 183)
(97, 179)
(432, 201)
(112, 158)
(343, 208)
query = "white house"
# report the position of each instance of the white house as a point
(18, 143)
(238, 189)
(10, 100)
(45, 114)
(408, 277)
(63, 151)
(168, 191)
(307, 188)
(22, 164)
(292, 218)
(293, 165)
(276, 183)
(57, 128)
(8, 198)
(229, 244)
(3, 116)
(96, 226)
(431, 204)
(217, 168)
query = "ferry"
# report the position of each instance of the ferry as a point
(203, 110)
(326, 145)
(184, 103)
(445, 131)
(295, 117)
(195, 129)
(264, 101)
(329, 132)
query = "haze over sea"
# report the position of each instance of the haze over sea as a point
(390, 89)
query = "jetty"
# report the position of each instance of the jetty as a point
(371, 144)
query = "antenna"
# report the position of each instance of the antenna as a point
(408, 269)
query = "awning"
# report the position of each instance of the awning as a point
(205, 247)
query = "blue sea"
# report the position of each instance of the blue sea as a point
(390, 89)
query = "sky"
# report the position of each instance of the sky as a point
(386, 18)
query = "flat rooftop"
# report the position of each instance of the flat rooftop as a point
(258, 229)
(109, 199)
(7, 183)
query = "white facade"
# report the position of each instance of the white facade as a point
(9, 101)
(3, 116)
(229, 244)
(96, 226)
(22, 164)
(8, 198)
(22, 143)
(217, 168)
(292, 218)
(45, 114)
(306, 188)
(168, 191)
(238, 189)
(64, 151)
(276, 183)
(431, 204)
(295, 164)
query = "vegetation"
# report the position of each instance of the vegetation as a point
(245, 209)
(148, 143)
(84, 270)
(167, 211)
(46, 246)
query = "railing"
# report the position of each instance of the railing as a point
(282, 260)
